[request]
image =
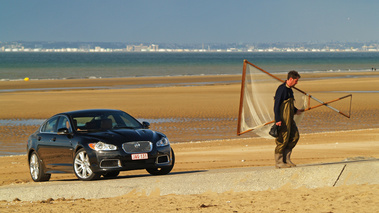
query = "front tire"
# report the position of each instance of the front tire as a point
(82, 166)
(36, 169)
(163, 170)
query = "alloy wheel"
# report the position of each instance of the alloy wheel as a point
(34, 166)
(37, 169)
(82, 165)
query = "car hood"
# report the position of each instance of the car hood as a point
(120, 136)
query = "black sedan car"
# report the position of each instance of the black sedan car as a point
(97, 142)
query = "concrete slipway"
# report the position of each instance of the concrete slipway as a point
(197, 182)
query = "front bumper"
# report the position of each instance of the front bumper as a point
(119, 160)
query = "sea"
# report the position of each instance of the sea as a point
(48, 65)
(16, 66)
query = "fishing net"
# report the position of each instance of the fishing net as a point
(257, 101)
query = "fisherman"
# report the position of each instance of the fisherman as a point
(284, 109)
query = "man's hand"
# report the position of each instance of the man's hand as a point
(279, 123)
(299, 111)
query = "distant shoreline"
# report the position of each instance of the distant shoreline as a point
(34, 85)
(363, 71)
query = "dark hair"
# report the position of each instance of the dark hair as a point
(293, 74)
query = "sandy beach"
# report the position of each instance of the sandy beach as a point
(200, 115)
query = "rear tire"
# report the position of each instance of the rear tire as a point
(163, 170)
(82, 166)
(36, 169)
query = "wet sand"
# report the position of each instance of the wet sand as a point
(206, 127)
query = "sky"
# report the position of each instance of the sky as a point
(189, 21)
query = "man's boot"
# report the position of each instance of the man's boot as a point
(287, 154)
(279, 161)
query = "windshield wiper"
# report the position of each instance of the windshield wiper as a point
(123, 127)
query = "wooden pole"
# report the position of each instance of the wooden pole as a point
(326, 104)
(241, 97)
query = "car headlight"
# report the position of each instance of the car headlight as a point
(101, 146)
(163, 142)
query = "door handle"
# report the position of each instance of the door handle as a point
(53, 139)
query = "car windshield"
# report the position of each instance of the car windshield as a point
(102, 121)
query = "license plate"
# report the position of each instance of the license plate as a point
(139, 156)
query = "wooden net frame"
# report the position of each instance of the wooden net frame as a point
(321, 103)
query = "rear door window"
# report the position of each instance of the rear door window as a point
(50, 125)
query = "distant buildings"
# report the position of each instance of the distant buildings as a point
(142, 48)
(119, 47)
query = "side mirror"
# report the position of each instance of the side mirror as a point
(63, 131)
(146, 125)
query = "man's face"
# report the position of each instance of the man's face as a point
(292, 82)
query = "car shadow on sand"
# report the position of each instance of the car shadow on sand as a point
(149, 175)
(126, 176)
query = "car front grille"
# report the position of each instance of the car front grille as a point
(137, 147)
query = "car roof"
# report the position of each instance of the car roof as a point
(85, 111)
